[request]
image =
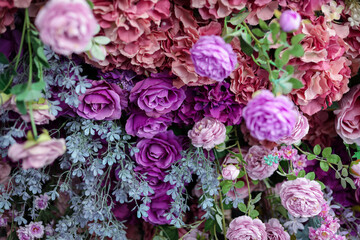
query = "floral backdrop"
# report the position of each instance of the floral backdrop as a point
(169, 119)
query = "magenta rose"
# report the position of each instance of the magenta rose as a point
(302, 197)
(207, 133)
(103, 101)
(37, 155)
(158, 152)
(246, 228)
(139, 124)
(348, 117)
(158, 208)
(256, 167)
(275, 231)
(157, 95)
(66, 25)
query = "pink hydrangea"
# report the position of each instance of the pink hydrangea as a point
(302, 197)
(304, 7)
(37, 155)
(256, 167)
(246, 228)
(66, 25)
(207, 133)
(275, 231)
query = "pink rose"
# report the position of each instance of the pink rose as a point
(256, 167)
(207, 133)
(37, 155)
(299, 132)
(302, 197)
(5, 172)
(275, 230)
(230, 172)
(246, 228)
(348, 117)
(66, 25)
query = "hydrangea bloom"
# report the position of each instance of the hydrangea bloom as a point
(269, 117)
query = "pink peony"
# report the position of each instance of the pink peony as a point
(299, 132)
(348, 117)
(246, 228)
(207, 133)
(302, 197)
(275, 231)
(66, 25)
(230, 172)
(37, 155)
(256, 167)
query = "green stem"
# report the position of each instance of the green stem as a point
(223, 213)
(251, 34)
(33, 126)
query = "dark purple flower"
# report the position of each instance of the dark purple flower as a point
(9, 43)
(139, 124)
(214, 101)
(103, 101)
(158, 152)
(156, 95)
(158, 208)
(123, 77)
(213, 57)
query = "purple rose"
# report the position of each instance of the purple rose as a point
(158, 152)
(103, 101)
(157, 95)
(268, 117)
(66, 25)
(139, 124)
(290, 21)
(158, 208)
(300, 130)
(275, 230)
(213, 57)
(256, 166)
(302, 197)
(246, 228)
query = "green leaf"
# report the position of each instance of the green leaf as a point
(102, 40)
(241, 174)
(39, 86)
(257, 198)
(326, 152)
(257, 32)
(29, 95)
(310, 176)
(209, 224)
(297, 38)
(333, 159)
(277, 52)
(297, 50)
(343, 183)
(21, 107)
(344, 172)
(311, 157)
(324, 166)
(283, 37)
(245, 47)
(228, 129)
(337, 175)
(263, 25)
(255, 182)
(351, 182)
(171, 232)
(356, 155)
(3, 59)
(238, 19)
(291, 177)
(296, 84)
(91, 4)
(282, 211)
(274, 28)
(96, 52)
(254, 213)
(239, 184)
(226, 187)
(242, 207)
(317, 149)
(218, 221)
(301, 174)
(19, 88)
(290, 69)
(285, 57)
(321, 184)
(41, 56)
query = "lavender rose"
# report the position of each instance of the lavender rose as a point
(139, 124)
(246, 228)
(230, 172)
(158, 152)
(37, 155)
(290, 21)
(66, 25)
(213, 58)
(268, 117)
(275, 231)
(157, 95)
(302, 197)
(103, 101)
(158, 208)
(300, 130)
(256, 167)
(348, 117)
(207, 133)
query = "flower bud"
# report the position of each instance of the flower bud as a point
(290, 21)
(230, 172)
